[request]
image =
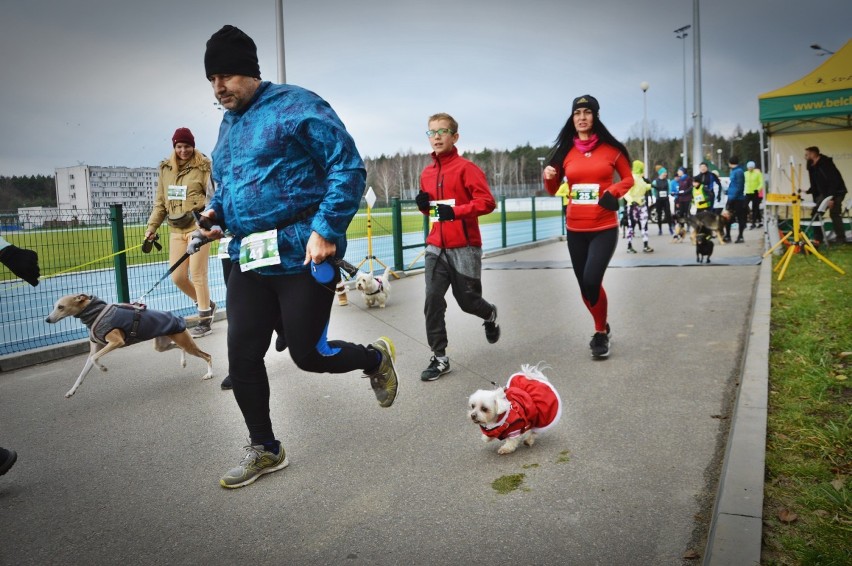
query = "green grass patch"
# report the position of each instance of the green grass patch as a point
(564, 456)
(807, 507)
(508, 484)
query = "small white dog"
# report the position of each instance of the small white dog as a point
(527, 406)
(376, 290)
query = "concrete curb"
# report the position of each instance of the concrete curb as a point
(736, 525)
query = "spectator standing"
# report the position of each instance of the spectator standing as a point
(736, 204)
(753, 191)
(662, 204)
(455, 193)
(184, 187)
(589, 156)
(683, 200)
(711, 183)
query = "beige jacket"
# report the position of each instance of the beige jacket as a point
(195, 176)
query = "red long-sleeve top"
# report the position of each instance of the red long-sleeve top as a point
(596, 167)
(452, 176)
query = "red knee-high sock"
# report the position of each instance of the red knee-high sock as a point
(598, 311)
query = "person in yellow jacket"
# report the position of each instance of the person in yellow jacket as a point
(754, 193)
(185, 186)
(636, 207)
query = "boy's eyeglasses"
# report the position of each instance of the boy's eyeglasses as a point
(441, 132)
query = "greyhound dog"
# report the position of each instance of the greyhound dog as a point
(114, 326)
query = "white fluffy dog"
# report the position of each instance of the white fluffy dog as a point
(527, 406)
(376, 290)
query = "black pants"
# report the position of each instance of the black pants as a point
(590, 254)
(440, 275)
(255, 304)
(753, 202)
(664, 212)
(682, 208)
(739, 212)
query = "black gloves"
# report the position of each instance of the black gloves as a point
(23, 263)
(422, 200)
(445, 212)
(608, 201)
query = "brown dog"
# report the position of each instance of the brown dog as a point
(114, 326)
(713, 222)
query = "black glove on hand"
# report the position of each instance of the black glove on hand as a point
(608, 201)
(445, 212)
(23, 263)
(422, 200)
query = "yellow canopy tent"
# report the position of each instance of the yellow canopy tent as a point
(815, 110)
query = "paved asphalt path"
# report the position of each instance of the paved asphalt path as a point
(126, 471)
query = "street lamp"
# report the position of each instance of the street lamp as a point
(680, 33)
(541, 167)
(644, 86)
(822, 51)
(719, 159)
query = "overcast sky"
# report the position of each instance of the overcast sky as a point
(106, 82)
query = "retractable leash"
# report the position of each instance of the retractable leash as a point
(160, 280)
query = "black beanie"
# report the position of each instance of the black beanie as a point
(231, 52)
(586, 101)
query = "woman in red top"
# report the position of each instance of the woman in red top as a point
(589, 157)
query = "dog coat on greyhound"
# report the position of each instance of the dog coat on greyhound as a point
(138, 323)
(535, 405)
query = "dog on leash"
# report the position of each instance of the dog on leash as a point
(711, 221)
(703, 244)
(114, 326)
(679, 229)
(375, 290)
(526, 407)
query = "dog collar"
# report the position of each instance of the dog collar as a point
(377, 291)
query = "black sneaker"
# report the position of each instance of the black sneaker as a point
(437, 368)
(227, 384)
(7, 460)
(727, 239)
(739, 240)
(280, 343)
(492, 329)
(600, 345)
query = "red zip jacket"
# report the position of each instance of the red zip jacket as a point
(596, 167)
(454, 177)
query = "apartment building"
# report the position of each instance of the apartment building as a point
(90, 187)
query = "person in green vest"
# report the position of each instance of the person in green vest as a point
(700, 195)
(753, 193)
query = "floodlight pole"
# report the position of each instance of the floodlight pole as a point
(680, 33)
(697, 130)
(279, 37)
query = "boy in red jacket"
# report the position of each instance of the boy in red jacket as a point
(454, 194)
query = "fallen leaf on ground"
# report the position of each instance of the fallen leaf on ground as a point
(691, 555)
(844, 354)
(787, 516)
(838, 483)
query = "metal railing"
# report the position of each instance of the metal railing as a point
(99, 252)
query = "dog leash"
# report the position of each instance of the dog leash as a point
(166, 274)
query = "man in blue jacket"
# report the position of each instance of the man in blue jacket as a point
(288, 179)
(736, 204)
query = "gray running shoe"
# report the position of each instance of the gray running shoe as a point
(255, 463)
(384, 380)
(437, 368)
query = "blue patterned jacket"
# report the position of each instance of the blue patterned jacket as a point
(287, 152)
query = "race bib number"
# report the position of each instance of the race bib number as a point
(585, 193)
(176, 192)
(259, 250)
(699, 198)
(433, 208)
(662, 194)
(223, 248)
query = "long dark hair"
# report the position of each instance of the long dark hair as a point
(565, 141)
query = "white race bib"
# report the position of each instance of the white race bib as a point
(585, 193)
(259, 249)
(176, 192)
(662, 194)
(223, 248)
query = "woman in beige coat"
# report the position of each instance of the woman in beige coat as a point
(185, 186)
